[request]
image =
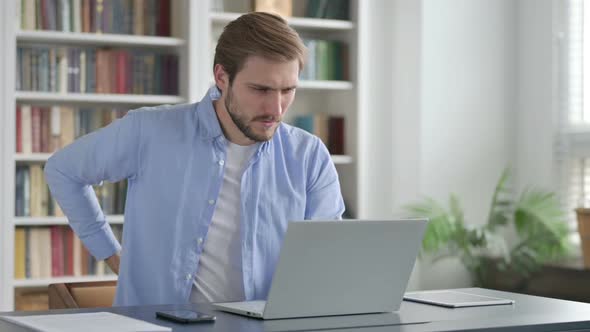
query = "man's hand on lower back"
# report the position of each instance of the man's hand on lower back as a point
(113, 262)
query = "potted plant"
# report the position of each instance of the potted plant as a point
(583, 218)
(535, 215)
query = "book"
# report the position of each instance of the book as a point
(37, 191)
(26, 127)
(36, 129)
(19, 182)
(34, 249)
(45, 252)
(68, 254)
(57, 251)
(19, 134)
(19, 253)
(77, 249)
(336, 135)
(280, 7)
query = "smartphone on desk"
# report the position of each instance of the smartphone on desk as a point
(185, 316)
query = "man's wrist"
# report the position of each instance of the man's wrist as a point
(113, 262)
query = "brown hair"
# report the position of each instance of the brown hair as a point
(260, 34)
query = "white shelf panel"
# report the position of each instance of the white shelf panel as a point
(47, 281)
(325, 85)
(32, 157)
(341, 159)
(96, 98)
(319, 85)
(75, 38)
(295, 22)
(51, 221)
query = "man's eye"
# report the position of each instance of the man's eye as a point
(261, 89)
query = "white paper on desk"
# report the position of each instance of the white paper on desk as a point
(87, 322)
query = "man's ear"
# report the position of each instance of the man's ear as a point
(221, 77)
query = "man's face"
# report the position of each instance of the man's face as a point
(259, 96)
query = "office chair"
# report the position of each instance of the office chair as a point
(81, 294)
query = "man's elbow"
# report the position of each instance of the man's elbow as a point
(50, 171)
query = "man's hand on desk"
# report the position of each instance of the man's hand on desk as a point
(113, 263)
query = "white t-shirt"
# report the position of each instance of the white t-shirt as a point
(219, 276)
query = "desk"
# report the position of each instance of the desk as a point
(529, 313)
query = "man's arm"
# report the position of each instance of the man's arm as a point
(111, 154)
(324, 198)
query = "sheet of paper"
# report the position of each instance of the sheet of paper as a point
(87, 322)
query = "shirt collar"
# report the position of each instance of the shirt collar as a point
(209, 126)
(208, 123)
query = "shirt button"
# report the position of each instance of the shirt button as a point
(200, 240)
(189, 276)
(221, 162)
(211, 202)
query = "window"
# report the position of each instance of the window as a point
(573, 144)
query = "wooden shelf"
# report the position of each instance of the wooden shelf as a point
(32, 157)
(341, 159)
(46, 281)
(94, 39)
(52, 221)
(325, 85)
(95, 98)
(295, 22)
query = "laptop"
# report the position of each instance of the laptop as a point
(328, 268)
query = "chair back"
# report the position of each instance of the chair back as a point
(74, 295)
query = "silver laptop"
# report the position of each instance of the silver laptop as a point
(339, 268)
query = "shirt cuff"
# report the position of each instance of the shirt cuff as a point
(102, 244)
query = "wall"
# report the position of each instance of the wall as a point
(391, 123)
(468, 92)
(441, 88)
(535, 103)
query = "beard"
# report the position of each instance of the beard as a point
(243, 123)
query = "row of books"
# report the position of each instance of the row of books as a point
(95, 70)
(329, 9)
(33, 199)
(55, 251)
(330, 129)
(45, 129)
(137, 17)
(326, 60)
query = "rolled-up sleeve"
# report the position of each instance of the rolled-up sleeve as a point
(109, 154)
(324, 197)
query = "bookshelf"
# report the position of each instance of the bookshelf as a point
(195, 25)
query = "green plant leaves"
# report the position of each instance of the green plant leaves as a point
(440, 226)
(536, 215)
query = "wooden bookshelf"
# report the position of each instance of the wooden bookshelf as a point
(193, 29)
(325, 85)
(50, 221)
(46, 281)
(93, 39)
(299, 23)
(95, 98)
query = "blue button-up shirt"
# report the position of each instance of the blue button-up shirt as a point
(171, 156)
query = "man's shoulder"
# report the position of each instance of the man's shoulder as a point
(295, 134)
(171, 119)
(164, 111)
(299, 141)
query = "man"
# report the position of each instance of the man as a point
(212, 185)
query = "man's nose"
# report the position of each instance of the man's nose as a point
(274, 103)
